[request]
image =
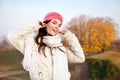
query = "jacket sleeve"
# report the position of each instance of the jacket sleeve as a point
(75, 52)
(17, 37)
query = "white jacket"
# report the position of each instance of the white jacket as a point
(55, 65)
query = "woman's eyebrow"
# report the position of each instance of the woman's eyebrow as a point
(55, 21)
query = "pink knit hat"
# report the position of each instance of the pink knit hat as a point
(52, 15)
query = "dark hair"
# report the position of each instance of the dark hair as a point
(42, 32)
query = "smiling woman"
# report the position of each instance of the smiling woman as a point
(53, 27)
(45, 57)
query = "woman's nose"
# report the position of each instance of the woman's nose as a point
(57, 28)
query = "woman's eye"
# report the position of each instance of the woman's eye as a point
(54, 22)
(59, 25)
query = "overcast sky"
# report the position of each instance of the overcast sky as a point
(17, 13)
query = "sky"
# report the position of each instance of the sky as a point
(18, 13)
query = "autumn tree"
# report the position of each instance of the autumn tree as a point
(94, 34)
(77, 25)
(5, 44)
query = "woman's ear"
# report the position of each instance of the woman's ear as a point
(42, 24)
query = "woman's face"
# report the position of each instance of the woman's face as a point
(53, 27)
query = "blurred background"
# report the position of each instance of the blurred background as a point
(96, 23)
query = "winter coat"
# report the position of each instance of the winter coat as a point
(53, 66)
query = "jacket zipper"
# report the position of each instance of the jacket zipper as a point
(52, 65)
(52, 68)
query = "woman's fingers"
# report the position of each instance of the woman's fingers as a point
(63, 31)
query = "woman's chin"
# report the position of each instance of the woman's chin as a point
(51, 34)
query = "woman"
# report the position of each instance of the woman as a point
(45, 57)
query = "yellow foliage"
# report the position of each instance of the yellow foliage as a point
(95, 34)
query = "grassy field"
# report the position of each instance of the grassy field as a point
(113, 56)
(10, 60)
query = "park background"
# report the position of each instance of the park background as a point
(96, 23)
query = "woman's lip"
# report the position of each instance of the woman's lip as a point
(54, 31)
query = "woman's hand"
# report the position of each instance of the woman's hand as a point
(63, 31)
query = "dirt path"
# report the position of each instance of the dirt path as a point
(10, 73)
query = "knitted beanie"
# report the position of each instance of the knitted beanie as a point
(52, 15)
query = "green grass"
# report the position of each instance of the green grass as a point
(104, 66)
(10, 60)
(113, 56)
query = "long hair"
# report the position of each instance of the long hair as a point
(39, 38)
